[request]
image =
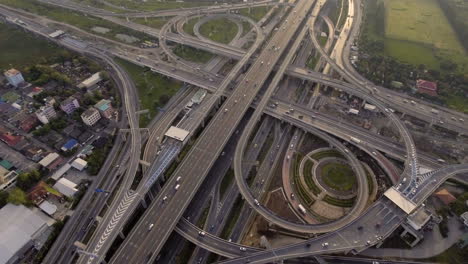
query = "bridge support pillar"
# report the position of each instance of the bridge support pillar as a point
(121, 235)
(143, 202)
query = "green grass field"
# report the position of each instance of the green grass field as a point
(192, 54)
(256, 13)
(414, 32)
(74, 18)
(20, 49)
(420, 21)
(153, 5)
(221, 30)
(154, 90)
(154, 22)
(338, 176)
(188, 27)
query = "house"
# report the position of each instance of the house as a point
(7, 178)
(10, 139)
(32, 91)
(69, 105)
(464, 218)
(105, 108)
(426, 87)
(22, 230)
(49, 100)
(28, 123)
(46, 113)
(90, 116)
(41, 191)
(445, 196)
(71, 144)
(14, 77)
(91, 81)
(79, 164)
(47, 160)
(66, 187)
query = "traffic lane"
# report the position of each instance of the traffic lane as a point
(234, 117)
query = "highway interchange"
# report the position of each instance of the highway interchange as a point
(270, 57)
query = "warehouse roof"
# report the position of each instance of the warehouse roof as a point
(18, 225)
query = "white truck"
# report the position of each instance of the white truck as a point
(301, 209)
(355, 140)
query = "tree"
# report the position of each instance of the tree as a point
(17, 196)
(26, 180)
(3, 198)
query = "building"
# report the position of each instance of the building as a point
(49, 100)
(14, 77)
(47, 160)
(419, 218)
(46, 113)
(79, 164)
(21, 230)
(426, 87)
(464, 218)
(11, 139)
(105, 108)
(91, 81)
(42, 191)
(28, 123)
(445, 196)
(90, 116)
(7, 178)
(69, 105)
(66, 187)
(71, 144)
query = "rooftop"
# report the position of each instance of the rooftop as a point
(89, 112)
(12, 72)
(19, 225)
(103, 105)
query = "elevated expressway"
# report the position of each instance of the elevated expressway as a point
(393, 99)
(137, 248)
(68, 4)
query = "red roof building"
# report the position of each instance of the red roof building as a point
(445, 196)
(10, 139)
(427, 87)
(41, 191)
(28, 123)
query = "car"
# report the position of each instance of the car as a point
(178, 179)
(225, 110)
(164, 198)
(256, 202)
(201, 233)
(177, 187)
(150, 227)
(243, 249)
(325, 244)
(308, 244)
(360, 228)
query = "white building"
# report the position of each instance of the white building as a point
(91, 81)
(90, 116)
(46, 113)
(14, 77)
(79, 164)
(47, 160)
(66, 187)
(21, 229)
(464, 217)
